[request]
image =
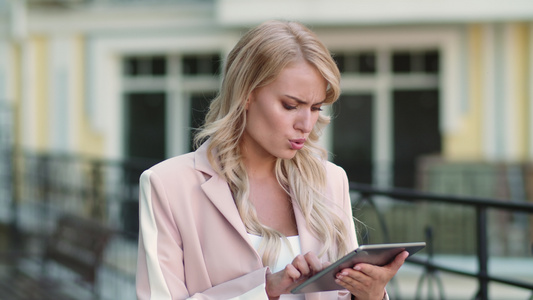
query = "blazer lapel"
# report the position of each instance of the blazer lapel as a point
(308, 242)
(218, 192)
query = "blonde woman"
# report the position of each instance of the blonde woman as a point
(257, 207)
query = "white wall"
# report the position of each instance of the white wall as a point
(352, 12)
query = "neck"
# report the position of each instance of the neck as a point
(257, 166)
(260, 169)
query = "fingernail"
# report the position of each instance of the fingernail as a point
(357, 268)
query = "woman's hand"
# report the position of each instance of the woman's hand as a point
(367, 282)
(302, 267)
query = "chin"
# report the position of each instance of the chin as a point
(288, 155)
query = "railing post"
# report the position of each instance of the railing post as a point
(14, 233)
(482, 252)
(43, 182)
(97, 209)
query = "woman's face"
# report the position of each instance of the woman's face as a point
(281, 115)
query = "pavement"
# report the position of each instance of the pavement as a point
(458, 287)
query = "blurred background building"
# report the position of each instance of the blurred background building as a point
(436, 95)
(121, 79)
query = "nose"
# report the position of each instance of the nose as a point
(305, 121)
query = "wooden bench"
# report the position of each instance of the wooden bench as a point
(77, 245)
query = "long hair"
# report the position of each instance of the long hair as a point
(257, 59)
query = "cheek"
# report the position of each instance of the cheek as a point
(315, 119)
(260, 123)
(270, 118)
(274, 125)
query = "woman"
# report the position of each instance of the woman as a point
(257, 208)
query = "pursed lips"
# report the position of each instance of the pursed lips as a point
(297, 144)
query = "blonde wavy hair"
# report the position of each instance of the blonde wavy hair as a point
(256, 61)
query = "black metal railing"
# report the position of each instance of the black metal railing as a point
(367, 193)
(38, 187)
(43, 185)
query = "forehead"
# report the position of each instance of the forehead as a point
(303, 80)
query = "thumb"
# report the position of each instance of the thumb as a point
(399, 260)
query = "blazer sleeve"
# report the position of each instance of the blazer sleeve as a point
(347, 207)
(160, 268)
(348, 212)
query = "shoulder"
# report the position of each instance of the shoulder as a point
(174, 166)
(333, 170)
(337, 181)
(181, 170)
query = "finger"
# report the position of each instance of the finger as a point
(342, 282)
(365, 269)
(313, 262)
(300, 263)
(399, 260)
(372, 270)
(292, 272)
(347, 278)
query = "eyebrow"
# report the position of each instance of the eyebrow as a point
(300, 101)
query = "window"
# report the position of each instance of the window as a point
(426, 61)
(363, 62)
(387, 118)
(145, 66)
(165, 100)
(201, 64)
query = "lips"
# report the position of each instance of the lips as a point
(297, 144)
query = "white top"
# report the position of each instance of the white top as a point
(287, 253)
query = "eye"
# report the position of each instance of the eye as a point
(316, 108)
(288, 107)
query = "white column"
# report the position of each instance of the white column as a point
(28, 105)
(177, 112)
(5, 69)
(18, 15)
(451, 82)
(59, 82)
(382, 122)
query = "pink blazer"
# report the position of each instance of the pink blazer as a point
(193, 243)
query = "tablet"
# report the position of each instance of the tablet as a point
(377, 254)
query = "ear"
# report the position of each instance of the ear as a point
(248, 101)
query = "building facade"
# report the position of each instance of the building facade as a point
(124, 79)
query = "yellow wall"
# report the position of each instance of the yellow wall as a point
(89, 142)
(41, 91)
(466, 142)
(520, 59)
